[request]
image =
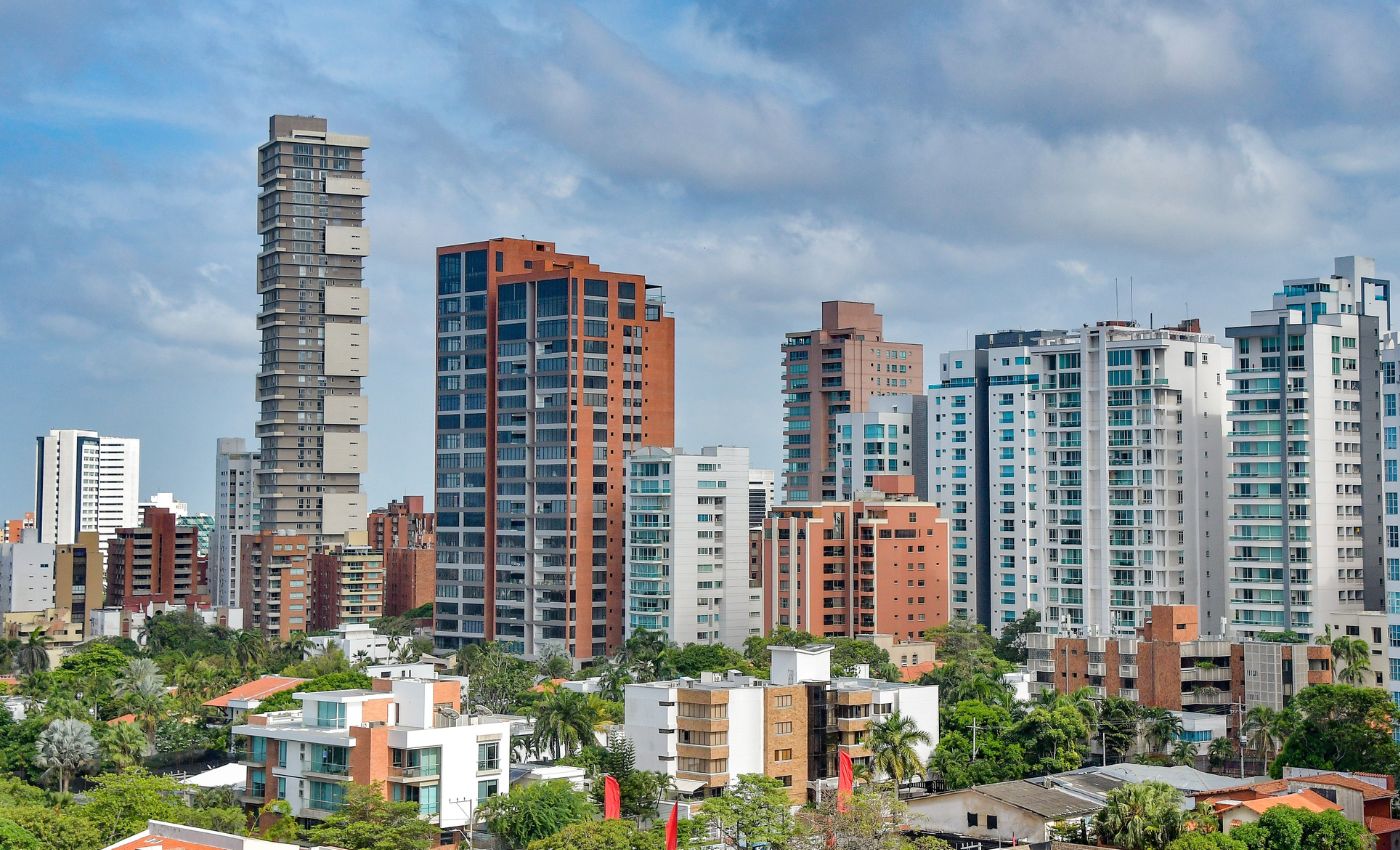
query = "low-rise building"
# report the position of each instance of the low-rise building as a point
(357, 642)
(126, 621)
(250, 695)
(707, 732)
(409, 734)
(159, 835)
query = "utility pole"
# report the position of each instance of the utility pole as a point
(974, 739)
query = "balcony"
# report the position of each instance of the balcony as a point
(415, 774)
(330, 770)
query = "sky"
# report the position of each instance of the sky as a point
(967, 166)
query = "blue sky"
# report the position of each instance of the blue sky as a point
(967, 166)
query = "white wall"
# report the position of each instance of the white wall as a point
(643, 719)
(26, 575)
(746, 722)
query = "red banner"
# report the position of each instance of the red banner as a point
(845, 779)
(672, 826)
(612, 799)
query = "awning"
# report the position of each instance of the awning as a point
(689, 786)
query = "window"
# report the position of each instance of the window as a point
(486, 788)
(782, 701)
(784, 728)
(488, 755)
(972, 816)
(782, 755)
(330, 714)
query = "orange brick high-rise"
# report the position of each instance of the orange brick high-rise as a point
(550, 371)
(873, 566)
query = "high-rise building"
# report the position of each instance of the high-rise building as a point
(875, 565)
(889, 437)
(1390, 487)
(79, 578)
(275, 583)
(166, 502)
(26, 574)
(1133, 475)
(315, 346)
(84, 481)
(237, 514)
(347, 584)
(157, 561)
(687, 546)
(836, 368)
(550, 372)
(12, 531)
(1306, 467)
(983, 468)
(762, 483)
(403, 524)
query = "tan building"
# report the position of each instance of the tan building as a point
(347, 584)
(315, 346)
(276, 583)
(836, 368)
(873, 566)
(1171, 665)
(78, 577)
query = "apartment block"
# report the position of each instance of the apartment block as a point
(275, 583)
(85, 481)
(1132, 474)
(409, 579)
(687, 546)
(79, 577)
(26, 574)
(1306, 467)
(1390, 493)
(12, 530)
(402, 524)
(237, 514)
(156, 561)
(410, 734)
(1172, 665)
(707, 732)
(347, 584)
(315, 344)
(984, 467)
(762, 487)
(550, 372)
(876, 565)
(836, 368)
(889, 437)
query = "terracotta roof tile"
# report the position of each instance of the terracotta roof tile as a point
(1308, 799)
(261, 688)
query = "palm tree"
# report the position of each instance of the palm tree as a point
(1140, 815)
(1221, 751)
(123, 746)
(563, 723)
(1163, 727)
(1353, 655)
(1082, 700)
(1118, 725)
(361, 659)
(249, 648)
(65, 749)
(891, 742)
(613, 680)
(9, 648)
(554, 665)
(296, 645)
(33, 656)
(143, 688)
(1183, 752)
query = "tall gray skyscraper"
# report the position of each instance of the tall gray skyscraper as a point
(315, 346)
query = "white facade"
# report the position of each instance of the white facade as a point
(26, 574)
(687, 546)
(84, 481)
(355, 638)
(880, 440)
(762, 486)
(1132, 473)
(167, 502)
(1306, 538)
(237, 511)
(448, 763)
(983, 430)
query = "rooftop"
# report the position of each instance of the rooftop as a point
(258, 689)
(1309, 800)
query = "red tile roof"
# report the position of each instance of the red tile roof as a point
(125, 718)
(257, 689)
(1306, 799)
(912, 672)
(1382, 826)
(142, 841)
(1368, 791)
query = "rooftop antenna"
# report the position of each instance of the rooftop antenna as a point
(1132, 310)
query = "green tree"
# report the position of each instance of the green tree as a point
(93, 661)
(249, 648)
(696, 658)
(342, 681)
(873, 819)
(648, 656)
(598, 835)
(847, 653)
(756, 646)
(753, 811)
(1118, 726)
(996, 757)
(1286, 828)
(1206, 841)
(1266, 729)
(531, 812)
(123, 745)
(1342, 728)
(65, 749)
(1161, 727)
(497, 679)
(142, 688)
(57, 827)
(1053, 737)
(119, 804)
(1221, 751)
(640, 789)
(15, 837)
(1183, 752)
(892, 741)
(33, 656)
(1011, 646)
(367, 821)
(1351, 657)
(281, 826)
(563, 723)
(1140, 816)
(555, 664)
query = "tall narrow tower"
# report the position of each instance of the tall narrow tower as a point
(315, 346)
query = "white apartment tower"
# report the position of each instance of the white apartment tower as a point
(762, 485)
(1307, 473)
(315, 345)
(687, 546)
(1132, 475)
(237, 512)
(983, 462)
(888, 437)
(84, 481)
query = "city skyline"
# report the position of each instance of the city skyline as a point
(1250, 160)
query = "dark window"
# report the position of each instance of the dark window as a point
(971, 818)
(991, 821)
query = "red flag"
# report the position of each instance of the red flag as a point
(672, 826)
(845, 779)
(612, 799)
